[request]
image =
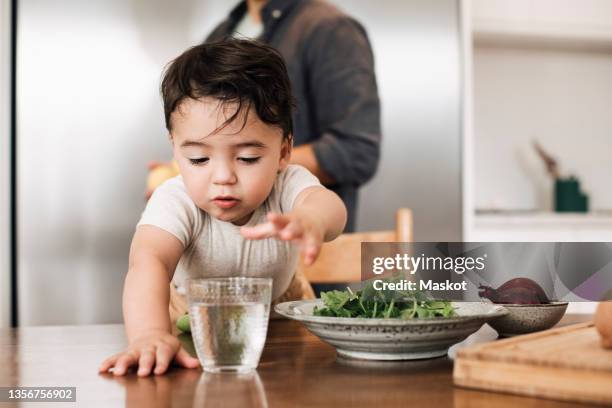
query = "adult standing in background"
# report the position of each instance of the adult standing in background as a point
(337, 129)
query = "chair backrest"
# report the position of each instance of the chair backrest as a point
(340, 259)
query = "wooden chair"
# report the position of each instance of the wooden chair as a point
(340, 259)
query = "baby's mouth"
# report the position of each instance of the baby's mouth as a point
(225, 202)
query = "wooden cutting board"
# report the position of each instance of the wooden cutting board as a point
(566, 363)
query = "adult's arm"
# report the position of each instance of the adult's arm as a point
(345, 100)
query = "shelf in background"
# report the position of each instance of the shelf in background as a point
(543, 217)
(485, 36)
(584, 24)
(535, 226)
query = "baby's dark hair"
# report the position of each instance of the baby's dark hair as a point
(247, 73)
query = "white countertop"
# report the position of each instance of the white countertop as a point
(538, 218)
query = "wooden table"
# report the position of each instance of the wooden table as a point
(296, 370)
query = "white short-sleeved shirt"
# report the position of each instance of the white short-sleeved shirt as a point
(215, 248)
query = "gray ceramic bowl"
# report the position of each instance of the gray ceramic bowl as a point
(392, 339)
(523, 319)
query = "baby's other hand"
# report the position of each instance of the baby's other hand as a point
(298, 227)
(156, 348)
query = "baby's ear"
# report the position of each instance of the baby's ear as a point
(286, 147)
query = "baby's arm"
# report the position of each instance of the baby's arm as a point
(154, 255)
(318, 215)
(323, 206)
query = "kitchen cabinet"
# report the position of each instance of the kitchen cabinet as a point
(542, 227)
(536, 70)
(587, 20)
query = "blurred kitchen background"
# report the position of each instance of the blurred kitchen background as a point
(467, 86)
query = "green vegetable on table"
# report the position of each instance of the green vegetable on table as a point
(182, 323)
(371, 303)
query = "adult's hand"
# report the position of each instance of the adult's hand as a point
(304, 156)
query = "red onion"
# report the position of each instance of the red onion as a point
(520, 291)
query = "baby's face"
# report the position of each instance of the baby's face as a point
(231, 173)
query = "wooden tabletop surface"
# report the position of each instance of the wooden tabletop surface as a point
(296, 370)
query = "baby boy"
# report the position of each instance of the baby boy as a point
(236, 209)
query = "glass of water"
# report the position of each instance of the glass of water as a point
(229, 321)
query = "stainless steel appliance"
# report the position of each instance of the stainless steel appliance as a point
(90, 118)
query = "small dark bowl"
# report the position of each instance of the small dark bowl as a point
(523, 319)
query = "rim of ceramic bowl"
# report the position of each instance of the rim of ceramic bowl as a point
(285, 309)
(537, 305)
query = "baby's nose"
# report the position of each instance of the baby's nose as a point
(224, 174)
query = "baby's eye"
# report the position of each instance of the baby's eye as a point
(199, 161)
(249, 160)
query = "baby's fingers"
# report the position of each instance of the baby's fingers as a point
(260, 231)
(163, 356)
(311, 248)
(108, 363)
(279, 220)
(276, 222)
(125, 361)
(293, 230)
(145, 364)
(184, 359)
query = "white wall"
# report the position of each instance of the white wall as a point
(5, 282)
(561, 97)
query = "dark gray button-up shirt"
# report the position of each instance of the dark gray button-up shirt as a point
(331, 68)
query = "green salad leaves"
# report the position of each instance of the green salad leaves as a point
(387, 304)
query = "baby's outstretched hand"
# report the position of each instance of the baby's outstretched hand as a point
(296, 227)
(152, 353)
